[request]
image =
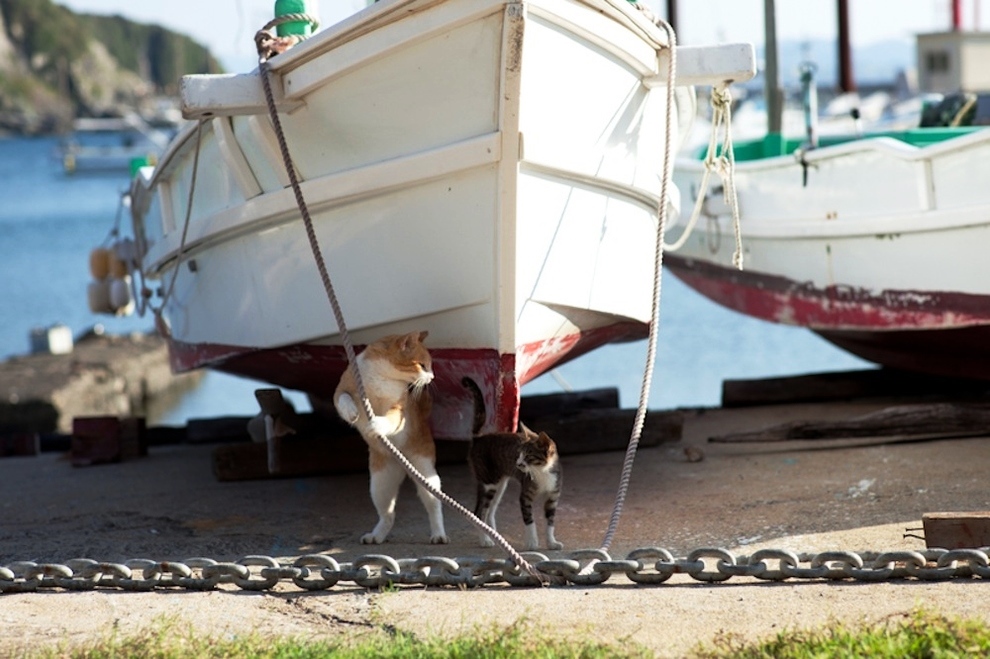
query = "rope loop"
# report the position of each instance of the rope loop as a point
(269, 45)
(720, 159)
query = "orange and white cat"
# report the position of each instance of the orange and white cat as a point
(395, 371)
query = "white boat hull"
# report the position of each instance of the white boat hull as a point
(485, 170)
(883, 251)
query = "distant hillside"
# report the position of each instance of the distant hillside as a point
(56, 65)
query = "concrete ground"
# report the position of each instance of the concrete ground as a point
(807, 497)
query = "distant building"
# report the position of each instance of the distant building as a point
(954, 62)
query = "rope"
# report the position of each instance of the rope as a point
(723, 164)
(160, 323)
(644, 392)
(265, 40)
(264, 54)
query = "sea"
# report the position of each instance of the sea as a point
(50, 221)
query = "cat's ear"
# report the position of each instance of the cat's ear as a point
(527, 433)
(410, 340)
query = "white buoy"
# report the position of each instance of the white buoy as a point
(53, 340)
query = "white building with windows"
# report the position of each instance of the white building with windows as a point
(956, 61)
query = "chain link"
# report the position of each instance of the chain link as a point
(591, 567)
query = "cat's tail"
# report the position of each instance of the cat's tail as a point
(479, 404)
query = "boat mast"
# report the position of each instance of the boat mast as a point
(771, 73)
(846, 81)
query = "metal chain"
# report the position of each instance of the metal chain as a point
(262, 39)
(645, 566)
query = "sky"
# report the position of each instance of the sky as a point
(227, 27)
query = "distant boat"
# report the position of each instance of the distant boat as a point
(112, 144)
(485, 170)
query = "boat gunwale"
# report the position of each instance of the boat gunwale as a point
(428, 165)
(312, 48)
(406, 171)
(884, 143)
(382, 13)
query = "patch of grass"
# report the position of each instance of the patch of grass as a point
(920, 634)
(165, 641)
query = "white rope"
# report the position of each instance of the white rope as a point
(644, 392)
(160, 323)
(721, 160)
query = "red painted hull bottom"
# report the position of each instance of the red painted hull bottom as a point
(941, 333)
(316, 369)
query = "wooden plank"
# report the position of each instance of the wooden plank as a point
(580, 422)
(310, 456)
(845, 385)
(567, 402)
(594, 431)
(935, 420)
(217, 429)
(957, 530)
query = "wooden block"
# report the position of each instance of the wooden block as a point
(105, 439)
(14, 444)
(957, 530)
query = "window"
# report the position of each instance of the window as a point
(937, 61)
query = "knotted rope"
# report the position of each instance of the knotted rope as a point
(720, 159)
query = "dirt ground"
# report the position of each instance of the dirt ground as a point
(807, 497)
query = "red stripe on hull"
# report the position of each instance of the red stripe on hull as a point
(316, 369)
(936, 332)
(838, 307)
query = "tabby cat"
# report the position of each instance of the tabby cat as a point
(395, 371)
(529, 457)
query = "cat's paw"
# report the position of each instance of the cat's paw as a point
(381, 426)
(439, 540)
(371, 539)
(487, 542)
(346, 408)
(554, 544)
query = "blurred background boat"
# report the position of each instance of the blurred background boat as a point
(114, 143)
(874, 237)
